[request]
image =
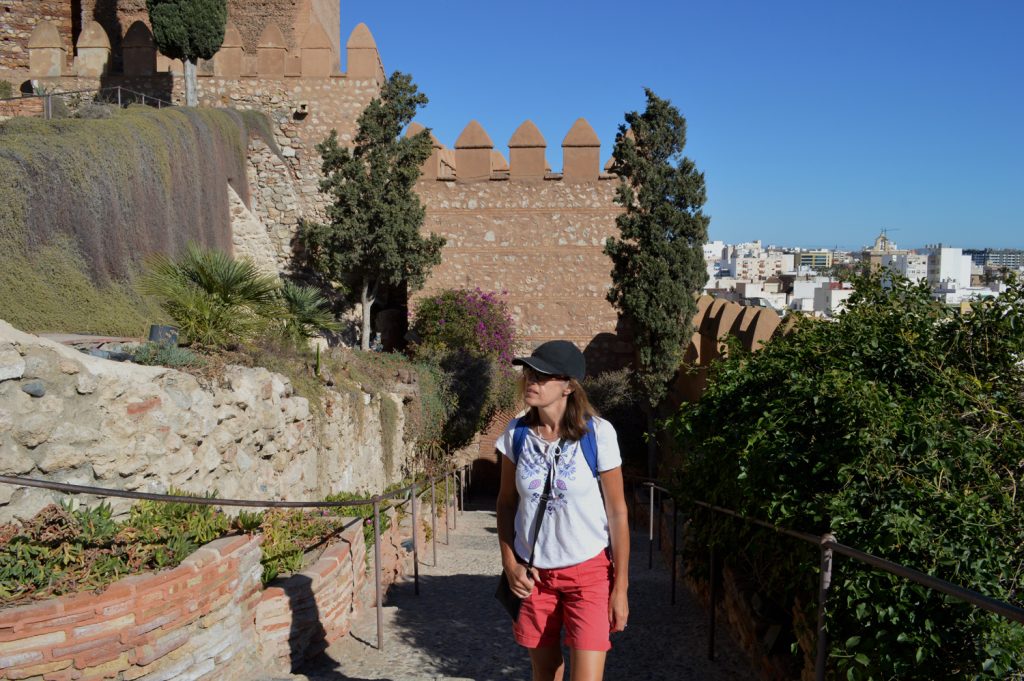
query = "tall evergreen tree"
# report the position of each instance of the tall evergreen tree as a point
(657, 262)
(373, 237)
(189, 30)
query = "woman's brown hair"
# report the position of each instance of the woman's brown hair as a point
(577, 410)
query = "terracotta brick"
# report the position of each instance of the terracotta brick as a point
(82, 647)
(228, 545)
(150, 652)
(139, 408)
(104, 627)
(36, 670)
(26, 614)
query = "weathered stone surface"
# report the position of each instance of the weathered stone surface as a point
(127, 426)
(12, 364)
(34, 388)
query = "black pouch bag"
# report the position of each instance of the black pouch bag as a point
(509, 600)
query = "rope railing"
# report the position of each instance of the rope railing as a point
(827, 545)
(455, 477)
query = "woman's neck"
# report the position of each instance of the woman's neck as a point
(549, 421)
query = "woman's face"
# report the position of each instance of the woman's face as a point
(542, 390)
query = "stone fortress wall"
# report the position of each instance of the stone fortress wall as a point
(517, 227)
(511, 225)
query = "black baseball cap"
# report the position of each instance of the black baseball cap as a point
(557, 358)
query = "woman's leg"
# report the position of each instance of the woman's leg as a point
(548, 664)
(587, 665)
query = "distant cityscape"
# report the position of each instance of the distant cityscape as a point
(812, 281)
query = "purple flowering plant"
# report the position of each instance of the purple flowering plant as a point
(471, 320)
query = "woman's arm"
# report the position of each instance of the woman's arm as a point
(618, 529)
(508, 502)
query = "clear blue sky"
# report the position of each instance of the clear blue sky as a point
(817, 123)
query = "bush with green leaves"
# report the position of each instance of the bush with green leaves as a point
(470, 335)
(162, 354)
(65, 549)
(900, 428)
(215, 300)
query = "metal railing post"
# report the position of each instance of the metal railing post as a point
(447, 504)
(143, 100)
(661, 518)
(455, 501)
(675, 546)
(415, 542)
(824, 583)
(48, 107)
(462, 490)
(377, 572)
(433, 518)
(119, 106)
(650, 533)
(713, 605)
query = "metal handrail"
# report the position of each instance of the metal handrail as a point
(828, 545)
(457, 505)
(47, 97)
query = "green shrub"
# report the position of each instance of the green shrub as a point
(288, 535)
(215, 300)
(161, 354)
(900, 428)
(469, 335)
(64, 549)
(307, 313)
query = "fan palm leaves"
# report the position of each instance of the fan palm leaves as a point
(308, 312)
(214, 299)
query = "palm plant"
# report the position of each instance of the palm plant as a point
(308, 312)
(214, 299)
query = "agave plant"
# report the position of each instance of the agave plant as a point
(214, 299)
(308, 312)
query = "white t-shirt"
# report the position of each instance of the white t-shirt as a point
(575, 526)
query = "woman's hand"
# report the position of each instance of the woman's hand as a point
(618, 609)
(520, 579)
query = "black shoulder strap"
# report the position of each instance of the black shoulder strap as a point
(541, 509)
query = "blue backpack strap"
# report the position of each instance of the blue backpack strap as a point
(518, 439)
(589, 444)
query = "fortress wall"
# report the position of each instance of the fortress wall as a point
(19, 19)
(539, 241)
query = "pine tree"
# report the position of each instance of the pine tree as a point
(373, 238)
(657, 262)
(189, 30)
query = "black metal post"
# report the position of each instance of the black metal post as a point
(415, 542)
(713, 604)
(433, 518)
(824, 583)
(650, 532)
(377, 573)
(675, 546)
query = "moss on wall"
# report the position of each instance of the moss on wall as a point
(83, 202)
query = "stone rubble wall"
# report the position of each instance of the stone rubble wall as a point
(542, 242)
(125, 426)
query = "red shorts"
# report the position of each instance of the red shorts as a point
(576, 597)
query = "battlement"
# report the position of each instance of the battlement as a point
(313, 54)
(474, 158)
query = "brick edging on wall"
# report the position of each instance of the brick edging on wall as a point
(209, 618)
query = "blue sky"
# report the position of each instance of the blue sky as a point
(815, 123)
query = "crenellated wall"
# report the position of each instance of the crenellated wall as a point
(538, 235)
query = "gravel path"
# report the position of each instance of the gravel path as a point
(455, 630)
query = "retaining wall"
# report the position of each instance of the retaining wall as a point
(209, 618)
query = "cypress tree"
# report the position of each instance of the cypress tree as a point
(657, 261)
(189, 30)
(372, 238)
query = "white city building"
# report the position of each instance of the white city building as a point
(913, 266)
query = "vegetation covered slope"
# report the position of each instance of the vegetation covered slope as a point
(82, 202)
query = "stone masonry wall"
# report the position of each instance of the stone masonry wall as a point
(207, 619)
(194, 621)
(18, 18)
(539, 241)
(126, 426)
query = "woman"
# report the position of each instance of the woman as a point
(574, 583)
